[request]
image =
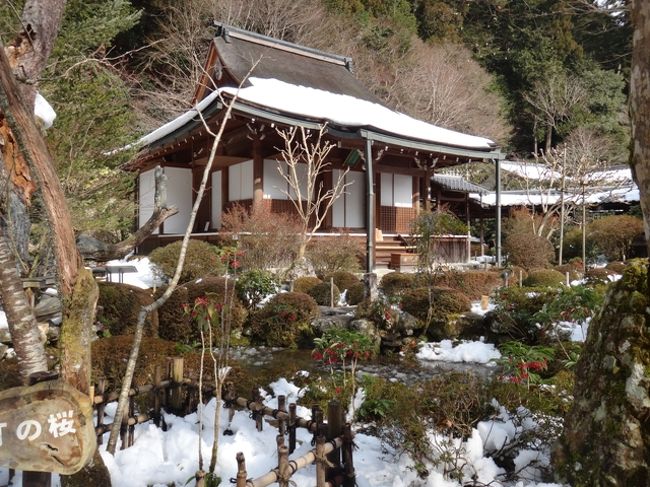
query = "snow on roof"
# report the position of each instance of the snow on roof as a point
(628, 194)
(613, 176)
(349, 111)
(331, 107)
(528, 170)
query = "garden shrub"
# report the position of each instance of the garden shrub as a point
(396, 283)
(254, 285)
(473, 284)
(322, 293)
(285, 321)
(176, 324)
(613, 235)
(446, 302)
(599, 275)
(515, 271)
(342, 279)
(201, 259)
(544, 278)
(574, 268)
(522, 245)
(515, 311)
(617, 267)
(265, 239)
(356, 294)
(118, 307)
(305, 283)
(575, 303)
(329, 255)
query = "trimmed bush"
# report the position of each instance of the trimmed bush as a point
(201, 259)
(329, 255)
(396, 283)
(356, 294)
(544, 278)
(513, 280)
(322, 294)
(118, 307)
(617, 266)
(176, 325)
(574, 268)
(305, 283)
(342, 279)
(473, 284)
(253, 286)
(516, 308)
(599, 275)
(446, 302)
(285, 321)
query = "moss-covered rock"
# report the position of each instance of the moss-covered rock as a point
(285, 321)
(599, 275)
(606, 439)
(118, 308)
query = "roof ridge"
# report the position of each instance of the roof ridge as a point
(226, 31)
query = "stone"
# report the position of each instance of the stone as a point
(606, 439)
(407, 324)
(48, 307)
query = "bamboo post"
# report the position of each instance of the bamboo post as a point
(334, 429)
(349, 480)
(568, 279)
(317, 421)
(101, 390)
(257, 414)
(241, 470)
(284, 470)
(131, 437)
(332, 292)
(292, 427)
(177, 389)
(521, 278)
(320, 461)
(157, 379)
(282, 406)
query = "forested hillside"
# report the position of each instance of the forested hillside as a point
(526, 73)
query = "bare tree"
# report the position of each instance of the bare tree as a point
(305, 157)
(553, 98)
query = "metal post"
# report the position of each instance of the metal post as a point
(370, 210)
(497, 244)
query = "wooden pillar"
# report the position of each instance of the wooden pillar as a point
(416, 194)
(469, 232)
(258, 174)
(370, 210)
(328, 182)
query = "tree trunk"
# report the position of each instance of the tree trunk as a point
(640, 106)
(606, 439)
(20, 317)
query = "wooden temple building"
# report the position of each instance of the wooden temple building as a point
(391, 157)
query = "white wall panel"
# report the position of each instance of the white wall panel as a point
(274, 184)
(355, 200)
(146, 189)
(386, 189)
(215, 209)
(179, 194)
(403, 191)
(247, 183)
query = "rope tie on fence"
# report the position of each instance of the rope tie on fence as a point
(322, 457)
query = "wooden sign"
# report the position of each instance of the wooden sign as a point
(46, 427)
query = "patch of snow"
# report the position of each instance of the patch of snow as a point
(3, 320)
(465, 351)
(44, 111)
(477, 309)
(144, 277)
(575, 331)
(355, 404)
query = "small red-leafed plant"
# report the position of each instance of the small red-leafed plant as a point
(522, 364)
(344, 347)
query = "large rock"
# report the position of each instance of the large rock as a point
(606, 441)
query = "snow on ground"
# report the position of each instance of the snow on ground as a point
(465, 351)
(477, 309)
(144, 277)
(161, 458)
(575, 331)
(3, 320)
